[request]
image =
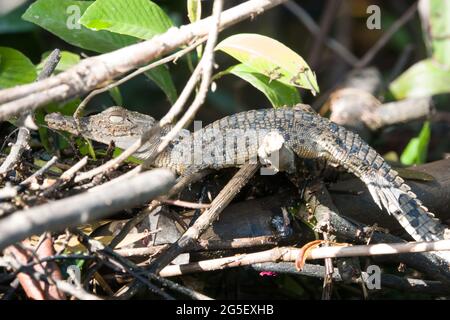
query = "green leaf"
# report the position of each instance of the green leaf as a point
(142, 19)
(271, 58)
(161, 76)
(114, 92)
(278, 93)
(425, 78)
(15, 68)
(68, 60)
(416, 150)
(435, 16)
(60, 17)
(85, 147)
(440, 30)
(117, 152)
(194, 9)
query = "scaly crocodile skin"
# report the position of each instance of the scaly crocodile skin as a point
(305, 132)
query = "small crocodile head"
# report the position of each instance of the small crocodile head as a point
(114, 124)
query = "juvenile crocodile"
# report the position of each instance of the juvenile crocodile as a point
(305, 132)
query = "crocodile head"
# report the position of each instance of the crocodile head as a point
(116, 124)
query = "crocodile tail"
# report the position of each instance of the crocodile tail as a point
(387, 189)
(398, 199)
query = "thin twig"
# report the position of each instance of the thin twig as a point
(206, 65)
(387, 280)
(323, 225)
(180, 185)
(62, 285)
(326, 21)
(367, 58)
(137, 272)
(23, 136)
(66, 176)
(186, 204)
(309, 23)
(291, 254)
(102, 68)
(84, 207)
(188, 239)
(191, 235)
(17, 149)
(50, 64)
(428, 263)
(172, 57)
(40, 172)
(206, 245)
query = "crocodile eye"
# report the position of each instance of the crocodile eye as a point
(116, 119)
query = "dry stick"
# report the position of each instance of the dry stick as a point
(181, 184)
(12, 191)
(172, 57)
(40, 172)
(367, 58)
(287, 254)
(84, 207)
(97, 247)
(326, 21)
(92, 72)
(123, 177)
(23, 136)
(77, 292)
(168, 118)
(66, 176)
(323, 216)
(206, 245)
(173, 112)
(331, 43)
(427, 263)
(17, 149)
(327, 285)
(397, 112)
(62, 285)
(387, 280)
(205, 66)
(189, 238)
(186, 204)
(133, 269)
(50, 65)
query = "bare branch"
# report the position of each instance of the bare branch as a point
(291, 254)
(310, 24)
(17, 149)
(91, 72)
(84, 207)
(367, 58)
